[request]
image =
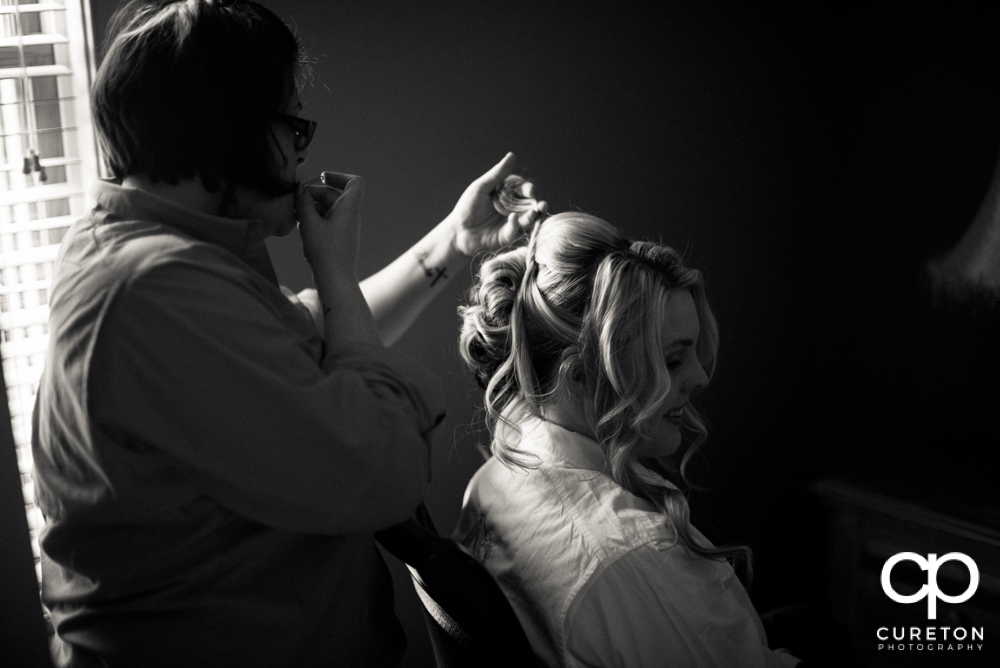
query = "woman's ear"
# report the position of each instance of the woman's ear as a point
(570, 378)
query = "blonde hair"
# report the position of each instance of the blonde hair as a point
(582, 303)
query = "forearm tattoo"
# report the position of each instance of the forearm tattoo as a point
(433, 273)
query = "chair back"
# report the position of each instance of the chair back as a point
(469, 619)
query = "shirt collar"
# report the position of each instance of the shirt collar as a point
(554, 444)
(550, 442)
(244, 238)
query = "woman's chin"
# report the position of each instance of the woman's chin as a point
(663, 446)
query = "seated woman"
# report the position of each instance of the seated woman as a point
(589, 347)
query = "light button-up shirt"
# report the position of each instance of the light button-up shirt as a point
(211, 474)
(595, 574)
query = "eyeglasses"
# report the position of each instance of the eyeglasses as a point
(303, 129)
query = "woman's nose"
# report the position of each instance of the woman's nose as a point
(697, 380)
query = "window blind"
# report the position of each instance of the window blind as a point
(48, 158)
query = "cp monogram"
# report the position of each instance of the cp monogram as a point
(930, 590)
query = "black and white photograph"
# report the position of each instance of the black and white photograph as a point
(447, 334)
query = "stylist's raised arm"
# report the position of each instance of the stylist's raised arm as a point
(330, 242)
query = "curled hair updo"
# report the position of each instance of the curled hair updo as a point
(581, 305)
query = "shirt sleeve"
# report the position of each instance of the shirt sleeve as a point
(307, 301)
(653, 608)
(193, 364)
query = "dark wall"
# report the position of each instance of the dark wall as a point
(808, 165)
(905, 390)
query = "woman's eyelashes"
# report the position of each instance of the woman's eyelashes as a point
(675, 361)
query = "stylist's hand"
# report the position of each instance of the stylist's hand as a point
(477, 225)
(330, 222)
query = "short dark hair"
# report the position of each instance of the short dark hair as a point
(191, 88)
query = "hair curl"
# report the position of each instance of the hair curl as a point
(582, 303)
(190, 88)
